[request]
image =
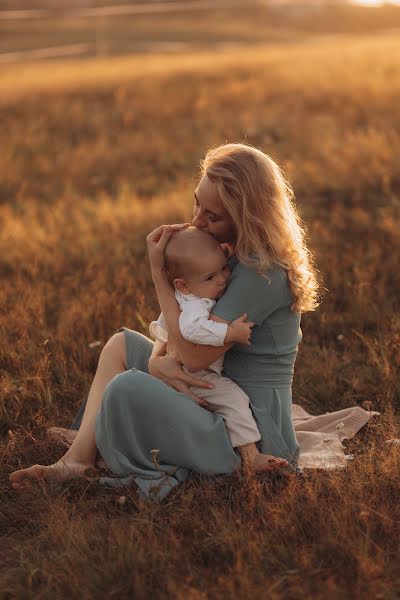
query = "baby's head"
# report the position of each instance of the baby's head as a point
(196, 263)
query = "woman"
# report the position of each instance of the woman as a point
(150, 427)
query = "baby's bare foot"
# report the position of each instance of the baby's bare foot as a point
(62, 435)
(267, 462)
(65, 468)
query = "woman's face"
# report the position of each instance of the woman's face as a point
(209, 213)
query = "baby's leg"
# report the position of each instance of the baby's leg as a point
(229, 400)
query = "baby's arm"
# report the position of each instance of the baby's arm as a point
(158, 329)
(239, 331)
(196, 326)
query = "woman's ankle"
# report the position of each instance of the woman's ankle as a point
(73, 456)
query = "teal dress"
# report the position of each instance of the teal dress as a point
(153, 436)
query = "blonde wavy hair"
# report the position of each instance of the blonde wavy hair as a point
(268, 227)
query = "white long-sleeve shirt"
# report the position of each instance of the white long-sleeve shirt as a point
(194, 324)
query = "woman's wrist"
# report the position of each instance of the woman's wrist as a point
(154, 361)
(152, 366)
(159, 349)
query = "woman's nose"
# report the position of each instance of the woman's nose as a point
(198, 221)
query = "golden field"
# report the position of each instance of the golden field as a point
(95, 154)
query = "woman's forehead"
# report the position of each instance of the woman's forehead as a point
(207, 194)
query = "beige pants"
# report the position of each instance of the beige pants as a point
(227, 399)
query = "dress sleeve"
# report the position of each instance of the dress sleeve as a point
(158, 329)
(196, 326)
(251, 293)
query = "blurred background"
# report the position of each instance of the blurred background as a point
(39, 29)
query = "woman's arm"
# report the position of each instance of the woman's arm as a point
(168, 369)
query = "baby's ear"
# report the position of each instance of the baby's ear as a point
(181, 286)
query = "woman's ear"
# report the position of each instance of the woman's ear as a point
(181, 286)
(227, 249)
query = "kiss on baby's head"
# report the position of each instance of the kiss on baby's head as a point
(196, 263)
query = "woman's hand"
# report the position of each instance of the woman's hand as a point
(168, 369)
(156, 242)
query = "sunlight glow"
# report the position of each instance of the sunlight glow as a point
(376, 2)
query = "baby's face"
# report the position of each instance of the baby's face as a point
(210, 275)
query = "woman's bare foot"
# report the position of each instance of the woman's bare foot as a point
(62, 435)
(65, 468)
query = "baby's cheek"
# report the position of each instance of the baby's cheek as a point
(204, 291)
(208, 291)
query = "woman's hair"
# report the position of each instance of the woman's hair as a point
(268, 227)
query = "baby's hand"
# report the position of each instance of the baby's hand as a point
(239, 331)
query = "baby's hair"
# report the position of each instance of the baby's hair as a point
(184, 249)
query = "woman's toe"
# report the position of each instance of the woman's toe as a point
(22, 478)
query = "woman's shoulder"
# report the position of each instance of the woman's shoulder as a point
(274, 272)
(272, 281)
(257, 294)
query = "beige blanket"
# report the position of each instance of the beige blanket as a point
(320, 437)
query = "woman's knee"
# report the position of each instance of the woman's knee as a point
(115, 350)
(129, 387)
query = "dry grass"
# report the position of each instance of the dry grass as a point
(85, 172)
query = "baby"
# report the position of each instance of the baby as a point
(198, 269)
